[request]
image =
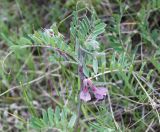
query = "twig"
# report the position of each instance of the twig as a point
(110, 105)
(150, 127)
(153, 103)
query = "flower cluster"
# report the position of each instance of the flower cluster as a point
(88, 86)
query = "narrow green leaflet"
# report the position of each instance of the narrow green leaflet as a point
(50, 116)
(45, 116)
(72, 121)
(85, 70)
(95, 65)
(57, 115)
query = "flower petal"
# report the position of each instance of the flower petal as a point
(101, 91)
(85, 96)
(85, 82)
(98, 96)
(89, 82)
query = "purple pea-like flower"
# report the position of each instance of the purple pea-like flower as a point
(85, 95)
(99, 92)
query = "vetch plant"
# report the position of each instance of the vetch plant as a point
(84, 34)
(83, 49)
(67, 75)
